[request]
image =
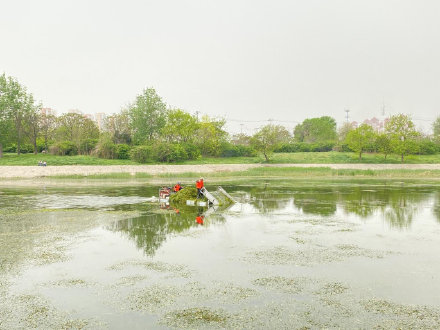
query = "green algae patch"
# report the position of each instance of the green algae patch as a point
(311, 255)
(403, 316)
(131, 280)
(286, 284)
(196, 317)
(333, 288)
(159, 267)
(32, 311)
(154, 298)
(75, 282)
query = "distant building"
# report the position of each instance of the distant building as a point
(79, 112)
(48, 112)
(377, 124)
(88, 116)
(100, 120)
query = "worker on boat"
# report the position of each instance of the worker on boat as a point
(177, 187)
(200, 219)
(199, 186)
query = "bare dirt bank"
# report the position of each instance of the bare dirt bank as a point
(8, 172)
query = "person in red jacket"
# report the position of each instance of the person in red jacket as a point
(200, 219)
(199, 186)
(177, 187)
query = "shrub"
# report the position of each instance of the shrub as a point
(122, 151)
(192, 151)
(169, 152)
(231, 150)
(10, 148)
(105, 147)
(64, 148)
(306, 147)
(141, 154)
(427, 147)
(87, 146)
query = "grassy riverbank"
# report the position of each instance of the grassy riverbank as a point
(278, 158)
(268, 172)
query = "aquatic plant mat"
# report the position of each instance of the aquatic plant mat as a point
(288, 255)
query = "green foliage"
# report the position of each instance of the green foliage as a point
(269, 138)
(427, 147)
(18, 114)
(180, 126)
(122, 151)
(383, 144)
(64, 148)
(360, 138)
(192, 150)
(314, 130)
(187, 193)
(105, 147)
(87, 146)
(119, 127)
(305, 147)
(77, 129)
(142, 154)
(147, 115)
(210, 136)
(231, 150)
(169, 152)
(403, 135)
(436, 128)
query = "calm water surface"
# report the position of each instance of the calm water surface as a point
(346, 254)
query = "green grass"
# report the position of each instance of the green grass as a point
(52, 160)
(272, 173)
(278, 158)
(332, 157)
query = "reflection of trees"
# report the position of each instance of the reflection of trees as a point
(320, 201)
(149, 231)
(397, 205)
(437, 206)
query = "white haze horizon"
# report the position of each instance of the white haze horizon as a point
(246, 61)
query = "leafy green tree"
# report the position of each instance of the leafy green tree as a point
(383, 144)
(322, 129)
(118, 126)
(47, 126)
(147, 116)
(268, 138)
(180, 126)
(360, 138)
(17, 106)
(6, 124)
(210, 136)
(401, 130)
(344, 130)
(436, 129)
(31, 125)
(75, 128)
(241, 139)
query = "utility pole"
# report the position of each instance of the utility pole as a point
(197, 116)
(347, 114)
(241, 128)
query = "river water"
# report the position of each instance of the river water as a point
(289, 254)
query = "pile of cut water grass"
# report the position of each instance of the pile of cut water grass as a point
(187, 193)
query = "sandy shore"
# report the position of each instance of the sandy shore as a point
(7, 172)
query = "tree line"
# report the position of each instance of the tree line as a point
(147, 130)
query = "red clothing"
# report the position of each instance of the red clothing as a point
(199, 220)
(198, 184)
(201, 183)
(177, 188)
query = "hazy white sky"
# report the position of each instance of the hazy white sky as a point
(244, 60)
